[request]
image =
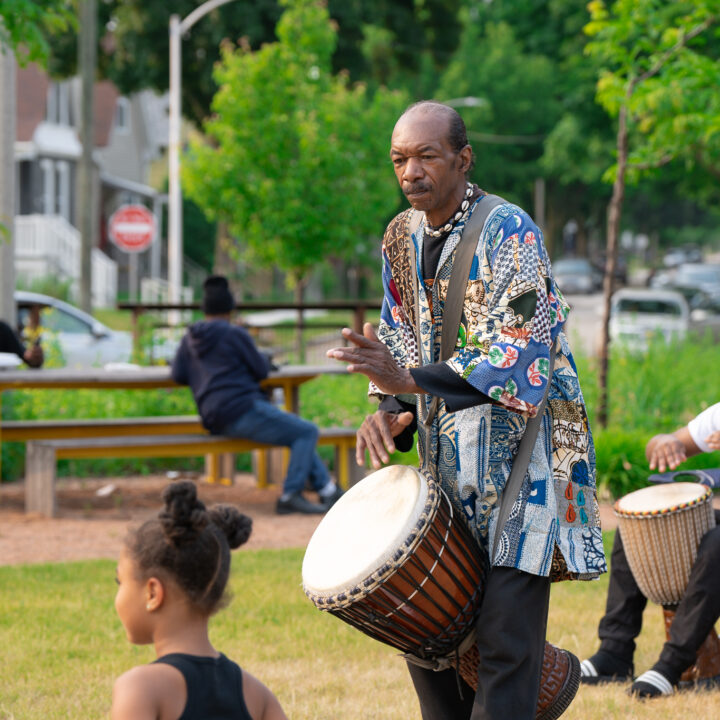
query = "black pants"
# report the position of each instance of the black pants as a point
(696, 614)
(511, 640)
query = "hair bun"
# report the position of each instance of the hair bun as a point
(234, 525)
(184, 515)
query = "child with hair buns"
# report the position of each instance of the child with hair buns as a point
(171, 578)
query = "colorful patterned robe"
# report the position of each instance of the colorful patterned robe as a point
(513, 312)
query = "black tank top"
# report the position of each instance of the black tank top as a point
(214, 687)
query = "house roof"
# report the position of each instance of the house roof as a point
(31, 95)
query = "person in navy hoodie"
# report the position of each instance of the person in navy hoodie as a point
(223, 367)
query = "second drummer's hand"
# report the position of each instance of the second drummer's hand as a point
(370, 357)
(376, 436)
(665, 451)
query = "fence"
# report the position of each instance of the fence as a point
(291, 333)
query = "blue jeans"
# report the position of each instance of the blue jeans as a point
(265, 423)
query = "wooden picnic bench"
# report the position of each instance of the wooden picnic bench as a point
(42, 456)
(288, 378)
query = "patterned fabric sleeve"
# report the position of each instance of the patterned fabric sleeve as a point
(515, 313)
(395, 329)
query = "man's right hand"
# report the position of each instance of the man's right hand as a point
(376, 436)
(665, 451)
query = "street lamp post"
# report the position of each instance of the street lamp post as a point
(175, 240)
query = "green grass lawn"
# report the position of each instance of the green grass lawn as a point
(61, 646)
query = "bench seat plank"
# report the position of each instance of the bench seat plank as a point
(42, 456)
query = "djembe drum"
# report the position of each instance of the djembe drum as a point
(661, 529)
(391, 559)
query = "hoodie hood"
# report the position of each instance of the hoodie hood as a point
(204, 335)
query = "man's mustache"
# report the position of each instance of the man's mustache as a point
(416, 188)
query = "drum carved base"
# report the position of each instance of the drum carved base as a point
(707, 662)
(559, 681)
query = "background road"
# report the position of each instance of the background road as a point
(583, 325)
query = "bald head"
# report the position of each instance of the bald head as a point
(455, 131)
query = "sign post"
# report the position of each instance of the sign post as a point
(132, 228)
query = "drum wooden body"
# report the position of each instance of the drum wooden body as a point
(661, 528)
(391, 559)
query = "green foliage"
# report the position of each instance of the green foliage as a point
(661, 62)
(50, 285)
(295, 158)
(27, 25)
(524, 103)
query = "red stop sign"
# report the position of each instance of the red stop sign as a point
(132, 228)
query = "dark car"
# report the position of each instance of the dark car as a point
(576, 276)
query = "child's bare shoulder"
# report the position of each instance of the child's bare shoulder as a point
(260, 701)
(143, 692)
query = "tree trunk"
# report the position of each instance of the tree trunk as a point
(7, 186)
(222, 258)
(86, 210)
(613, 230)
(299, 334)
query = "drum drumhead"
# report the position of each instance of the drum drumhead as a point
(364, 529)
(662, 498)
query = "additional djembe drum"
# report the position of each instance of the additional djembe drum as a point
(392, 560)
(661, 529)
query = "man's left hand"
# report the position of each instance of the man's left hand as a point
(372, 358)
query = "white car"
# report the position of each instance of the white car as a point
(84, 341)
(639, 315)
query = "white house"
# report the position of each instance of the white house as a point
(129, 134)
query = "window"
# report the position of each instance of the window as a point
(62, 189)
(58, 320)
(48, 197)
(122, 115)
(58, 104)
(56, 188)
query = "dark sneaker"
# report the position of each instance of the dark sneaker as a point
(330, 500)
(651, 684)
(603, 667)
(296, 503)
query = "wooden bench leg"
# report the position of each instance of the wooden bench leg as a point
(40, 466)
(260, 467)
(212, 468)
(227, 469)
(348, 471)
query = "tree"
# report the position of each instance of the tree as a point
(376, 40)
(655, 63)
(295, 158)
(27, 25)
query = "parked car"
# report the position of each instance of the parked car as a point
(689, 279)
(637, 315)
(576, 275)
(679, 255)
(84, 341)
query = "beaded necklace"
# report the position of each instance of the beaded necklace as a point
(450, 224)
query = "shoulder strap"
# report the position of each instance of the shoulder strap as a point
(464, 252)
(522, 460)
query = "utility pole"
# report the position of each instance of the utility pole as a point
(177, 29)
(87, 57)
(7, 185)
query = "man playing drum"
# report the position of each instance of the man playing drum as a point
(470, 410)
(699, 608)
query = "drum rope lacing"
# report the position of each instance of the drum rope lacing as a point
(688, 505)
(443, 495)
